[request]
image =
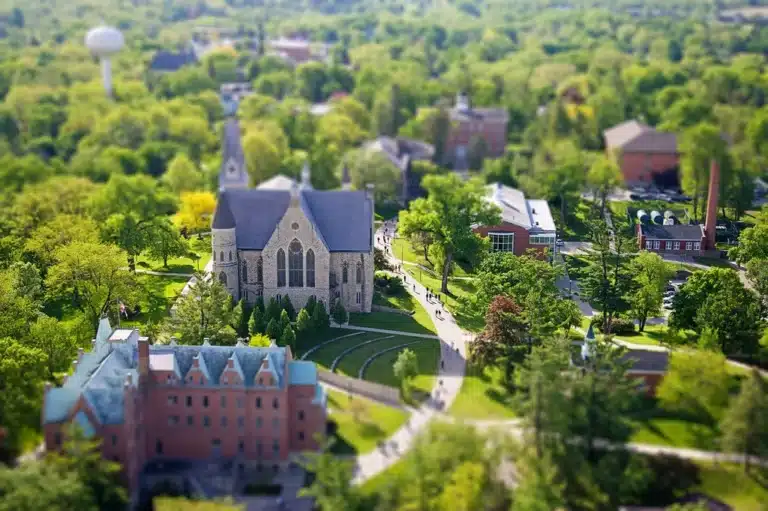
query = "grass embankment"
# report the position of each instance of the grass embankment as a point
(483, 395)
(360, 423)
(428, 355)
(199, 255)
(729, 483)
(417, 323)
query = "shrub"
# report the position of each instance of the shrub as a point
(380, 262)
(273, 329)
(273, 310)
(303, 321)
(339, 313)
(256, 324)
(320, 319)
(288, 307)
(288, 338)
(619, 326)
(260, 341)
(390, 285)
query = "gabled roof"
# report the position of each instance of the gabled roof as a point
(400, 150)
(532, 215)
(342, 218)
(480, 114)
(201, 366)
(278, 182)
(634, 136)
(168, 61)
(84, 423)
(681, 232)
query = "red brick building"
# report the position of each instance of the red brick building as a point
(645, 155)
(467, 122)
(525, 224)
(255, 406)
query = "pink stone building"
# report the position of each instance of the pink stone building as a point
(256, 406)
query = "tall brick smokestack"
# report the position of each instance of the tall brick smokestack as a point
(712, 198)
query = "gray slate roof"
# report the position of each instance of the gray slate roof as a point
(169, 61)
(673, 232)
(634, 136)
(232, 151)
(533, 215)
(480, 114)
(342, 218)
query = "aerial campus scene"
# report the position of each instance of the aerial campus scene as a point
(346, 255)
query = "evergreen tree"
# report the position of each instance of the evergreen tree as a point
(240, 318)
(303, 322)
(288, 338)
(273, 329)
(310, 305)
(285, 320)
(320, 319)
(273, 310)
(339, 313)
(745, 424)
(288, 307)
(256, 324)
(259, 304)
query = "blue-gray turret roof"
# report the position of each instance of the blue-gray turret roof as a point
(223, 218)
(233, 173)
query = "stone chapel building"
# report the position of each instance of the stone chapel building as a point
(286, 239)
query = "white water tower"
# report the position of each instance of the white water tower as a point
(104, 42)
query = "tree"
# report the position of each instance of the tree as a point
(55, 341)
(331, 488)
(196, 211)
(285, 320)
(753, 244)
(273, 329)
(35, 486)
(651, 275)
(743, 425)
(339, 313)
(559, 170)
(263, 155)
(603, 176)
(288, 338)
(22, 372)
(241, 317)
(273, 310)
(285, 303)
(372, 167)
(320, 319)
(256, 324)
(260, 341)
(540, 487)
(303, 322)
(504, 335)
(757, 272)
(696, 384)
(448, 214)
(60, 231)
(165, 241)
(477, 149)
(405, 368)
(699, 146)
(92, 276)
(717, 300)
(183, 175)
(205, 312)
(465, 491)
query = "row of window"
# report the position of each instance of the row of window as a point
(175, 420)
(221, 256)
(502, 241)
(542, 240)
(240, 402)
(216, 445)
(672, 245)
(295, 266)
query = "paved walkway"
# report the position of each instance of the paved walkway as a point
(448, 383)
(396, 332)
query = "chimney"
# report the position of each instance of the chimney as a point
(143, 358)
(346, 182)
(712, 198)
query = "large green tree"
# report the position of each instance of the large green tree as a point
(205, 312)
(700, 145)
(22, 372)
(743, 426)
(650, 275)
(448, 214)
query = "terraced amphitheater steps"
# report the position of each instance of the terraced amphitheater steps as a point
(335, 339)
(373, 357)
(353, 348)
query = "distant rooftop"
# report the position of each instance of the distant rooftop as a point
(634, 136)
(681, 232)
(533, 215)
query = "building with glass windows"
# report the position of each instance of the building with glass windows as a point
(525, 224)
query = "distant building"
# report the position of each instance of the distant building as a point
(525, 224)
(231, 94)
(645, 365)
(685, 239)
(167, 62)
(297, 51)
(255, 406)
(646, 156)
(402, 152)
(467, 122)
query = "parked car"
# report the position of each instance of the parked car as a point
(560, 243)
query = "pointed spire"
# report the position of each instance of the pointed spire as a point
(306, 181)
(346, 181)
(223, 217)
(590, 333)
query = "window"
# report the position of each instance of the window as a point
(301, 415)
(206, 421)
(676, 245)
(345, 273)
(258, 402)
(244, 274)
(688, 245)
(656, 245)
(159, 447)
(275, 403)
(261, 381)
(259, 448)
(189, 401)
(310, 268)
(241, 446)
(190, 420)
(359, 273)
(216, 443)
(223, 401)
(173, 420)
(223, 278)
(173, 400)
(259, 271)
(280, 268)
(214, 257)
(114, 440)
(205, 401)
(221, 256)
(224, 422)
(502, 241)
(241, 422)
(240, 402)
(295, 264)
(230, 256)
(301, 436)
(696, 245)
(542, 240)
(57, 439)
(276, 446)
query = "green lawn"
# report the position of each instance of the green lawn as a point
(407, 303)
(304, 343)
(392, 321)
(325, 355)
(675, 432)
(728, 483)
(482, 396)
(428, 354)
(352, 362)
(404, 251)
(457, 289)
(198, 247)
(361, 423)
(159, 294)
(575, 225)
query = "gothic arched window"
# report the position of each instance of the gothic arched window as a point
(230, 256)
(344, 273)
(359, 273)
(295, 264)
(214, 256)
(259, 271)
(221, 256)
(245, 271)
(223, 278)
(281, 268)
(310, 268)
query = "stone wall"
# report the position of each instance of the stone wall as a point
(225, 259)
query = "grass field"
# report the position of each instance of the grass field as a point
(729, 483)
(200, 248)
(406, 303)
(428, 355)
(402, 250)
(361, 423)
(483, 396)
(457, 289)
(676, 433)
(160, 292)
(352, 362)
(392, 321)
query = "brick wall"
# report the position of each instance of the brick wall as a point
(522, 237)
(493, 132)
(641, 167)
